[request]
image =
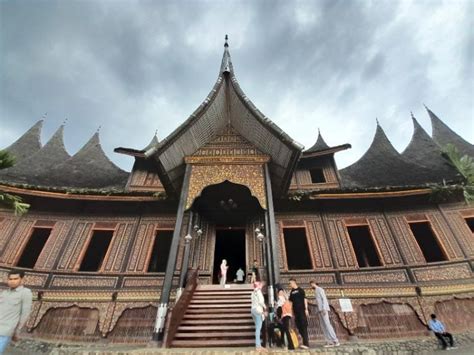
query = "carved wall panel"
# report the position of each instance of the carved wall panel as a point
(74, 245)
(384, 240)
(52, 248)
(408, 245)
(343, 250)
(463, 232)
(395, 276)
(443, 272)
(116, 254)
(7, 225)
(17, 241)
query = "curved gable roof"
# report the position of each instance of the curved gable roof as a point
(28, 144)
(423, 151)
(226, 103)
(444, 135)
(31, 169)
(383, 166)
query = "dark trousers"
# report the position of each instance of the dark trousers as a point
(286, 323)
(442, 336)
(302, 324)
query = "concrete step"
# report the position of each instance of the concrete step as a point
(205, 343)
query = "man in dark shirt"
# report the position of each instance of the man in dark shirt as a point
(300, 310)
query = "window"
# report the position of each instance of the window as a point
(427, 241)
(470, 223)
(363, 245)
(317, 176)
(34, 247)
(297, 251)
(161, 250)
(96, 250)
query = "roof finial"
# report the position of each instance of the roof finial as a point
(65, 121)
(226, 39)
(44, 115)
(98, 129)
(412, 115)
(156, 132)
(377, 120)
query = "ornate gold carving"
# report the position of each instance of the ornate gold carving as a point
(248, 175)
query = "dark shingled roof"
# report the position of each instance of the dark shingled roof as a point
(383, 166)
(423, 151)
(444, 135)
(28, 144)
(32, 169)
(225, 103)
(89, 167)
(318, 146)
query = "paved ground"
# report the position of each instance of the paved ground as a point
(417, 346)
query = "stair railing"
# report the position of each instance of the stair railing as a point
(176, 313)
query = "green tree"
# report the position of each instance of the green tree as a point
(11, 201)
(465, 166)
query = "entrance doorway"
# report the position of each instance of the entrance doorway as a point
(230, 245)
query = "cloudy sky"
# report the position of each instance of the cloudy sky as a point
(136, 67)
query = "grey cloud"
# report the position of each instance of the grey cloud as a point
(134, 67)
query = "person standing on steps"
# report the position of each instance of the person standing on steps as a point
(300, 311)
(15, 308)
(224, 268)
(255, 276)
(239, 276)
(258, 313)
(323, 315)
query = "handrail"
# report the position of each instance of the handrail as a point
(176, 313)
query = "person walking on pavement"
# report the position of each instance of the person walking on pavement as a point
(323, 315)
(15, 308)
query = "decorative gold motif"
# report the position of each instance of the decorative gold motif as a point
(248, 175)
(441, 272)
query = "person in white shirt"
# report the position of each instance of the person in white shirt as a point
(240, 275)
(15, 308)
(323, 315)
(258, 313)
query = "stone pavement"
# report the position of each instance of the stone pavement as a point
(426, 345)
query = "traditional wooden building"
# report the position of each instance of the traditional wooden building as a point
(107, 252)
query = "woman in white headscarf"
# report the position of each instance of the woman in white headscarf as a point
(224, 268)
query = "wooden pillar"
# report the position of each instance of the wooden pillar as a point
(171, 265)
(184, 266)
(272, 227)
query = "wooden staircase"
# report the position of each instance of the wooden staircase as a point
(217, 316)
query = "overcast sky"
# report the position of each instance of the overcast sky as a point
(136, 67)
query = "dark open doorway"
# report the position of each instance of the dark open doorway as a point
(230, 245)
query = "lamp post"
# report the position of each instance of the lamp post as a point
(184, 266)
(261, 238)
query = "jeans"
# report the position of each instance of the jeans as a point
(258, 320)
(4, 341)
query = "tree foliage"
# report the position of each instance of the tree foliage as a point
(465, 166)
(11, 201)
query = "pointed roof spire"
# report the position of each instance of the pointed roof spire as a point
(226, 39)
(383, 166)
(423, 151)
(76, 171)
(34, 169)
(444, 135)
(28, 144)
(319, 145)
